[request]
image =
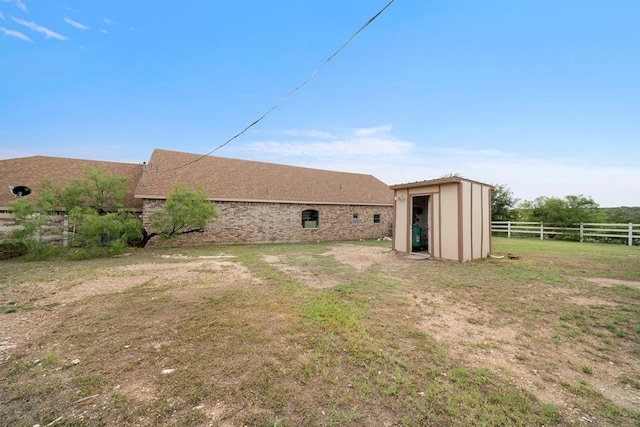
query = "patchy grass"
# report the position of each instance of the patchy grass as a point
(392, 341)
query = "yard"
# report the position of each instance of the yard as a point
(345, 333)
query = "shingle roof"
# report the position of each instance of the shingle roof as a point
(33, 171)
(224, 179)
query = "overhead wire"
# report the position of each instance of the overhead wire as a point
(287, 96)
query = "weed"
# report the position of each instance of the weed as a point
(551, 412)
(587, 369)
(612, 412)
(581, 388)
(48, 358)
(89, 384)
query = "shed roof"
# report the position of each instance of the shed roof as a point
(439, 181)
(225, 179)
(33, 171)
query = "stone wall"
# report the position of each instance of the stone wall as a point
(55, 230)
(251, 222)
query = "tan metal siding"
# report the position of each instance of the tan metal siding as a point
(449, 221)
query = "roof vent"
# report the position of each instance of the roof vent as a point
(20, 190)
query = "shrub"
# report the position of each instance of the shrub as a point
(12, 249)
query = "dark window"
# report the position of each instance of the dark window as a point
(355, 218)
(310, 218)
(376, 218)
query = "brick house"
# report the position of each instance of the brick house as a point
(256, 201)
(267, 202)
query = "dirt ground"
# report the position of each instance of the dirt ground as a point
(478, 344)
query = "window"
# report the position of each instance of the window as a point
(310, 218)
(376, 218)
(355, 218)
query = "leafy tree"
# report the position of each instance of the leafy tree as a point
(34, 215)
(184, 212)
(112, 230)
(451, 175)
(503, 203)
(562, 212)
(96, 192)
(96, 205)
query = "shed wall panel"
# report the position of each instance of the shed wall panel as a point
(449, 221)
(436, 242)
(486, 221)
(465, 239)
(401, 238)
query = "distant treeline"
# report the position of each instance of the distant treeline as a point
(623, 215)
(570, 210)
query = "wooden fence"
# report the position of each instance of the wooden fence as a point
(582, 231)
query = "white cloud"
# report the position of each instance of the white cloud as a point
(76, 24)
(1, 16)
(113, 23)
(18, 4)
(308, 133)
(362, 143)
(14, 33)
(376, 151)
(372, 130)
(40, 29)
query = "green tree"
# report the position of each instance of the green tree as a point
(97, 192)
(562, 212)
(96, 204)
(34, 215)
(184, 212)
(503, 203)
(112, 230)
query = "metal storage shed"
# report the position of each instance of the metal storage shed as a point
(447, 218)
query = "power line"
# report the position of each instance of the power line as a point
(288, 95)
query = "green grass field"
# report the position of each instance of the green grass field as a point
(326, 334)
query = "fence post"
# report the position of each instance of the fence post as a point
(581, 232)
(630, 234)
(542, 231)
(65, 232)
(508, 229)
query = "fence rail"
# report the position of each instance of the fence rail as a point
(628, 232)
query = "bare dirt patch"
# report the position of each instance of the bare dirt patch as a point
(361, 257)
(301, 274)
(20, 327)
(357, 257)
(526, 356)
(613, 282)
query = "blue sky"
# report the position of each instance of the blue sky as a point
(542, 96)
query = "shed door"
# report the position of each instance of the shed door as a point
(420, 224)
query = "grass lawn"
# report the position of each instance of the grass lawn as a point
(325, 334)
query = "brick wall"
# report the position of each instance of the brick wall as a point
(249, 222)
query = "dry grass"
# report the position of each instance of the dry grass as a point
(323, 334)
